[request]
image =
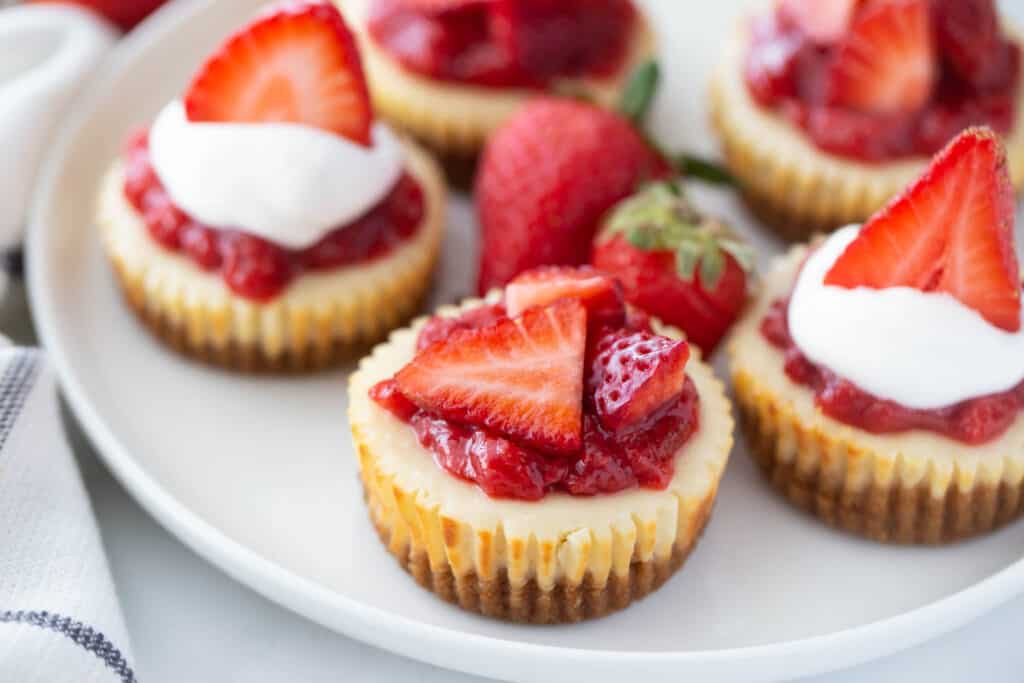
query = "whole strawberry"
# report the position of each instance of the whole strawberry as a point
(547, 178)
(675, 264)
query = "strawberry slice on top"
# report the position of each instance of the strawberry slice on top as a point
(823, 20)
(601, 295)
(295, 63)
(951, 231)
(522, 377)
(886, 62)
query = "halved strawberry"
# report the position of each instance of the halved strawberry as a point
(522, 378)
(634, 375)
(441, 327)
(825, 21)
(950, 231)
(600, 294)
(295, 63)
(886, 62)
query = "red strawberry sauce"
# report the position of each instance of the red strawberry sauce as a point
(785, 71)
(503, 469)
(502, 44)
(974, 421)
(253, 267)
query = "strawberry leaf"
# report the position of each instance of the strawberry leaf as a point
(702, 169)
(639, 93)
(660, 218)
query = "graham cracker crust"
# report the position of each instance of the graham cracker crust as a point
(882, 510)
(322, 354)
(565, 603)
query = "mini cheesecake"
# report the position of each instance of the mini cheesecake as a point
(812, 162)
(455, 117)
(922, 442)
(261, 240)
(511, 520)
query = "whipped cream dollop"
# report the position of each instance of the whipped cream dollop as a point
(920, 349)
(288, 183)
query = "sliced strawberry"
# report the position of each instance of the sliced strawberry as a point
(950, 231)
(600, 294)
(441, 327)
(522, 378)
(825, 21)
(634, 375)
(886, 63)
(387, 395)
(296, 63)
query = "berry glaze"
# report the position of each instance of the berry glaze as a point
(498, 44)
(255, 268)
(974, 421)
(644, 456)
(786, 72)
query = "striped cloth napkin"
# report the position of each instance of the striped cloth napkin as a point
(60, 620)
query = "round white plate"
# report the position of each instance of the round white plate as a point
(258, 475)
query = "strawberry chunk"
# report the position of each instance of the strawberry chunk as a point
(522, 378)
(387, 395)
(295, 63)
(824, 21)
(549, 38)
(970, 40)
(600, 294)
(951, 231)
(441, 327)
(886, 62)
(634, 375)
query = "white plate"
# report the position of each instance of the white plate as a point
(258, 475)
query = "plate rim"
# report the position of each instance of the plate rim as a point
(475, 654)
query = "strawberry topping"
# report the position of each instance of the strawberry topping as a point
(253, 267)
(522, 378)
(883, 79)
(825, 21)
(974, 421)
(296, 63)
(600, 294)
(971, 41)
(501, 401)
(634, 376)
(552, 38)
(951, 231)
(885, 63)
(504, 43)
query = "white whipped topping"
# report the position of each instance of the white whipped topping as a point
(288, 183)
(921, 349)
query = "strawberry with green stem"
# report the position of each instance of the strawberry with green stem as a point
(674, 263)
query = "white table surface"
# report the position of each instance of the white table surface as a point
(191, 623)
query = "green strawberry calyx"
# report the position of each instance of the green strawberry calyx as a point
(660, 218)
